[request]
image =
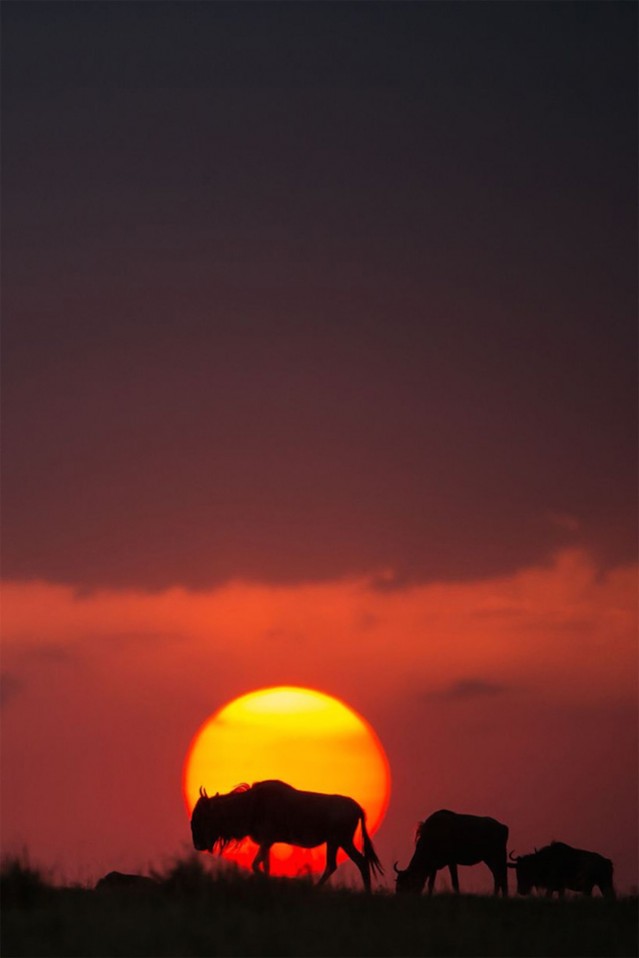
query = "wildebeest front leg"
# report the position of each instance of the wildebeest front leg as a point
(361, 863)
(262, 858)
(331, 862)
(454, 877)
(431, 881)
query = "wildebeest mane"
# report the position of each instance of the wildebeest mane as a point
(242, 787)
(221, 843)
(233, 841)
(231, 828)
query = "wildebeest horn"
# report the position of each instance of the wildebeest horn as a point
(396, 868)
(513, 857)
(203, 792)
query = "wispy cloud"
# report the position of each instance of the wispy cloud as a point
(468, 688)
(565, 521)
(10, 686)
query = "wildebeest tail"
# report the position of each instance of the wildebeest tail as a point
(369, 852)
(607, 888)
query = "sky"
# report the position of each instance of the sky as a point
(319, 368)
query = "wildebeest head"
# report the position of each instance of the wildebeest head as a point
(526, 868)
(407, 881)
(203, 823)
(215, 822)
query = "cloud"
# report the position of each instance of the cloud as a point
(52, 654)
(562, 625)
(565, 521)
(468, 688)
(389, 580)
(10, 686)
(284, 636)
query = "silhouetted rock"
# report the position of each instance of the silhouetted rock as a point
(119, 880)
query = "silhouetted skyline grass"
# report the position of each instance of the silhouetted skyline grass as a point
(192, 911)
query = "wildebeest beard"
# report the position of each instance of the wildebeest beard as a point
(230, 819)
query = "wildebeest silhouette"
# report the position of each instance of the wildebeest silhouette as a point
(272, 811)
(116, 880)
(558, 867)
(447, 839)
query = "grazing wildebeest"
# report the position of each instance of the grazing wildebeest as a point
(115, 880)
(449, 839)
(558, 867)
(272, 811)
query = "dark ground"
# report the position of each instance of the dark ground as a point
(191, 912)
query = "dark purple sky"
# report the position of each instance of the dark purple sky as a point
(339, 298)
(293, 291)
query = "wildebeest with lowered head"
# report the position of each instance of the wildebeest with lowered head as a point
(272, 811)
(558, 867)
(449, 839)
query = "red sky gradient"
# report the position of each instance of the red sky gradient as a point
(319, 368)
(512, 696)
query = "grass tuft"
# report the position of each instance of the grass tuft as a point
(21, 884)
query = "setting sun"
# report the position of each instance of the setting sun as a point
(305, 738)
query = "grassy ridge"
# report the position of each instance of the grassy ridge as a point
(192, 912)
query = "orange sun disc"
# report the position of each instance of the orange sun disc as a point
(305, 738)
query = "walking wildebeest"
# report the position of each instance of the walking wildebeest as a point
(449, 839)
(558, 867)
(272, 811)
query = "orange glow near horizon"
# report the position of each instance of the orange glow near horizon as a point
(306, 738)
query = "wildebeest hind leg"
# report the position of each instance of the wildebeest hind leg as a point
(331, 862)
(360, 861)
(262, 858)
